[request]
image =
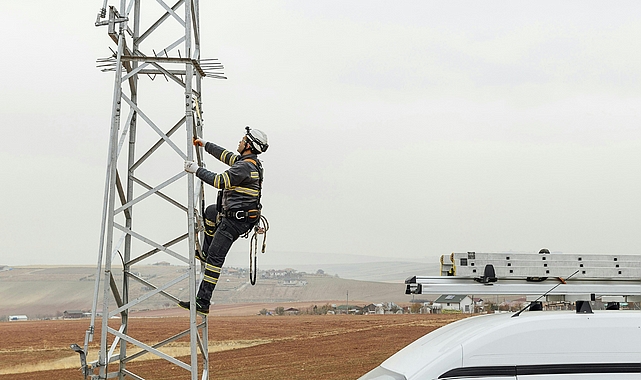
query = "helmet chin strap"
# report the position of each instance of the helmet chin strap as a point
(246, 148)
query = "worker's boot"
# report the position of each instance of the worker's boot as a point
(201, 306)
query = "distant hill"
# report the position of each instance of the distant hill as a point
(47, 291)
(348, 266)
(385, 271)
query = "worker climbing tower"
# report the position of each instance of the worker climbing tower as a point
(152, 209)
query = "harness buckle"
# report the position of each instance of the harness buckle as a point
(242, 214)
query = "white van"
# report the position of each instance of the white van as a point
(536, 345)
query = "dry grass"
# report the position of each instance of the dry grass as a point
(72, 361)
(241, 348)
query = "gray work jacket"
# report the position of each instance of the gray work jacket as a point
(241, 183)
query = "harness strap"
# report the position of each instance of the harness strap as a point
(241, 214)
(260, 176)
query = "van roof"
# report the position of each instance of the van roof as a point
(529, 339)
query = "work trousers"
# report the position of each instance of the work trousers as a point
(218, 246)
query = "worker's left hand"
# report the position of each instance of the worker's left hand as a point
(191, 166)
(199, 142)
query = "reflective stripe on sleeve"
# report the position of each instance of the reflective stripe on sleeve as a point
(245, 190)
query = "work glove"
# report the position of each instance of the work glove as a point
(191, 166)
(199, 142)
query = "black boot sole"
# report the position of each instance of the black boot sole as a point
(199, 311)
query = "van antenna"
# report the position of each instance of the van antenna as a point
(562, 281)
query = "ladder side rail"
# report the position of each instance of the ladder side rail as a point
(498, 255)
(561, 271)
(131, 160)
(454, 285)
(202, 330)
(115, 124)
(193, 329)
(103, 225)
(534, 289)
(575, 257)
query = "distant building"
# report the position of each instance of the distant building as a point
(380, 308)
(479, 305)
(426, 307)
(18, 318)
(349, 309)
(71, 314)
(369, 309)
(462, 303)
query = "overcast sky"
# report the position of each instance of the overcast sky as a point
(397, 129)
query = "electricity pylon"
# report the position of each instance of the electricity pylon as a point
(150, 204)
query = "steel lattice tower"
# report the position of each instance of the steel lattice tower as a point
(151, 206)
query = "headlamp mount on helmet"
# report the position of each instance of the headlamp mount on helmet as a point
(258, 141)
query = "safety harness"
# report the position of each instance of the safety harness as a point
(261, 225)
(260, 228)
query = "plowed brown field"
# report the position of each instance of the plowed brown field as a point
(241, 347)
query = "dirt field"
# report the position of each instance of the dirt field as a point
(241, 347)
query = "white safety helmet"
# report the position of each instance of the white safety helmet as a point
(257, 140)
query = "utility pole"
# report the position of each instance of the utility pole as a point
(348, 302)
(153, 123)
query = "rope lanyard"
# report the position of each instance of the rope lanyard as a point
(261, 228)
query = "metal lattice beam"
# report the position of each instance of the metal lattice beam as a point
(134, 181)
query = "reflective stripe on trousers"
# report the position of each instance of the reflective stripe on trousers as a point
(226, 234)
